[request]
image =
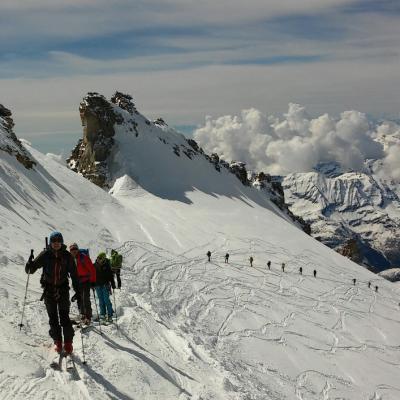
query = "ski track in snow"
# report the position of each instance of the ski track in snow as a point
(192, 329)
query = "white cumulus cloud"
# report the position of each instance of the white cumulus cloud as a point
(297, 142)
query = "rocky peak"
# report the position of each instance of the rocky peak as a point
(124, 101)
(160, 122)
(90, 155)
(329, 169)
(6, 118)
(9, 141)
(239, 169)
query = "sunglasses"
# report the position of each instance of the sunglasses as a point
(56, 240)
(74, 249)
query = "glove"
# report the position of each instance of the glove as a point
(92, 284)
(28, 267)
(75, 297)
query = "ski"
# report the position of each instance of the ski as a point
(69, 363)
(83, 328)
(102, 322)
(56, 364)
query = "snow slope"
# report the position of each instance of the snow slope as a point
(392, 274)
(189, 329)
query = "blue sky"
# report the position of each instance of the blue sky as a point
(187, 59)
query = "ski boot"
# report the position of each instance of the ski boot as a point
(58, 346)
(68, 348)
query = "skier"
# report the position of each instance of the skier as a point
(116, 264)
(301, 270)
(104, 278)
(369, 284)
(283, 267)
(354, 281)
(376, 288)
(209, 255)
(226, 258)
(57, 264)
(269, 264)
(87, 279)
(315, 273)
(251, 259)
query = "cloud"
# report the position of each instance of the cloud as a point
(298, 142)
(185, 96)
(389, 133)
(90, 16)
(392, 162)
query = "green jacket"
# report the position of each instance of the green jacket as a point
(116, 261)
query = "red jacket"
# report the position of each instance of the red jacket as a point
(86, 270)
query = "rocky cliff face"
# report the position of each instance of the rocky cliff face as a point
(8, 140)
(357, 214)
(91, 155)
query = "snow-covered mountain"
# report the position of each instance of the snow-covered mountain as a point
(356, 213)
(163, 162)
(188, 328)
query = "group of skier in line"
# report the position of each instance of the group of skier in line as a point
(58, 264)
(283, 265)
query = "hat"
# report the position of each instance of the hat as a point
(56, 235)
(102, 256)
(73, 246)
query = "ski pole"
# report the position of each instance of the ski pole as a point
(83, 347)
(26, 292)
(97, 310)
(115, 306)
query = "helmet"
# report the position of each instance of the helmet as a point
(56, 236)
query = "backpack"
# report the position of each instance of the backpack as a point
(82, 253)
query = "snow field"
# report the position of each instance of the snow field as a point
(190, 329)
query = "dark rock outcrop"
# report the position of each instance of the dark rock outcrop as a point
(90, 155)
(239, 169)
(352, 250)
(160, 122)
(124, 101)
(9, 141)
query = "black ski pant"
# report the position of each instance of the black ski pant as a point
(117, 274)
(57, 306)
(84, 305)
